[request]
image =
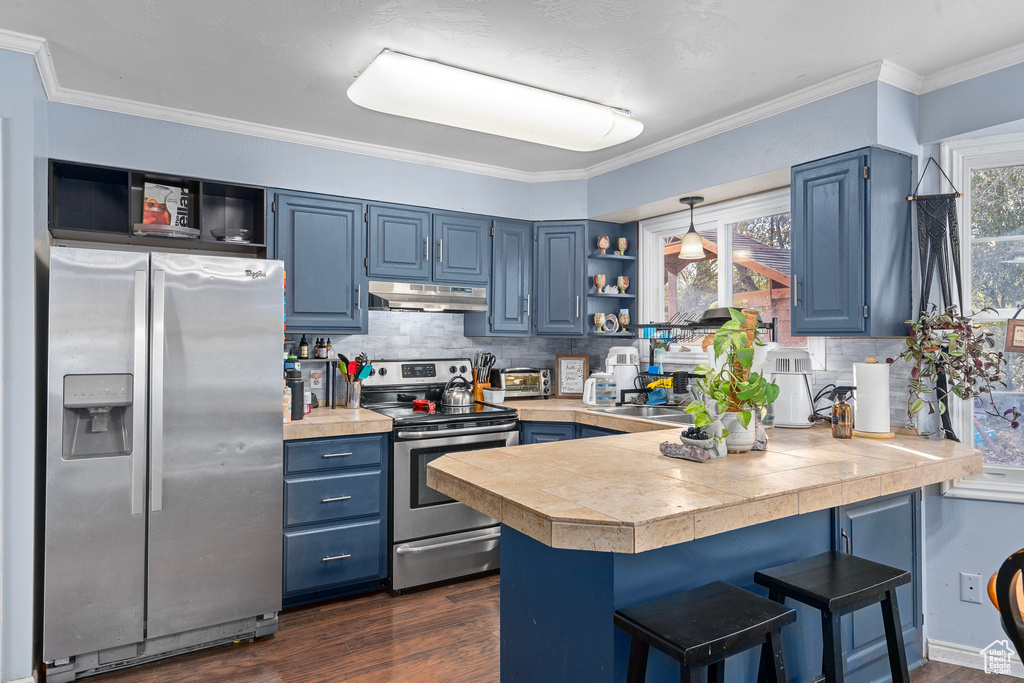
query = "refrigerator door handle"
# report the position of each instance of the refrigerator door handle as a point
(156, 397)
(138, 398)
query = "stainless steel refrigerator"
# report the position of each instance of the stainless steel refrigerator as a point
(163, 456)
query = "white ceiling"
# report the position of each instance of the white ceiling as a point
(676, 64)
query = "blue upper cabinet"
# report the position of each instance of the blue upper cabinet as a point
(321, 241)
(462, 247)
(398, 244)
(559, 290)
(851, 245)
(511, 295)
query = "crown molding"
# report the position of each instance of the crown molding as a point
(882, 70)
(1011, 56)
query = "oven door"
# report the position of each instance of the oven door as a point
(418, 510)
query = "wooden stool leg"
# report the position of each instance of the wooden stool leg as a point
(773, 666)
(638, 651)
(716, 672)
(690, 674)
(894, 638)
(832, 648)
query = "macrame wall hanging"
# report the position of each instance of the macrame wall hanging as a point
(938, 241)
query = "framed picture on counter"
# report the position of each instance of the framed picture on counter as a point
(570, 373)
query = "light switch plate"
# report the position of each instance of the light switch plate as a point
(970, 588)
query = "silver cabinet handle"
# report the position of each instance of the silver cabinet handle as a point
(793, 285)
(577, 307)
(359, 297)
(849, 548)
(426, 248)
(156, 397)
(335, 500)
(448, 544)
(138, 394)
(440, 251)
(332, 558)
(335, 455)
(527, 307)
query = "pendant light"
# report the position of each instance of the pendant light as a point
(691, 248)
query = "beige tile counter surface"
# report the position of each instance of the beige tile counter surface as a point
(619, 494)
(324, 422)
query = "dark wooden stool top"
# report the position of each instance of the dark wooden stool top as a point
(833, 581)
(701, 625)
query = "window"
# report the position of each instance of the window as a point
(746, 262)
(990, 173)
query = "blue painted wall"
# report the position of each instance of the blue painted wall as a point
(972, 105)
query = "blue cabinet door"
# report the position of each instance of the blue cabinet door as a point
(321, 241)
(560, 270)
(884, 530)
(547, 432)
(462, 247)
(588, 432)
(828, 246)
(398, 245)
(512, 269)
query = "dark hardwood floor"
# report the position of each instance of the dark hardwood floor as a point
(447, 634)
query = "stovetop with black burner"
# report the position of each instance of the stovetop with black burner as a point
(394, 385)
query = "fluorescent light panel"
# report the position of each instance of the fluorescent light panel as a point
(398, 84)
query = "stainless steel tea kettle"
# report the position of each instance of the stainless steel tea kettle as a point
(457, 396)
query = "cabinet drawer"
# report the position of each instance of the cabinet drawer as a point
(330, 454)
(309, 556)
(324, 499)
(547, 432)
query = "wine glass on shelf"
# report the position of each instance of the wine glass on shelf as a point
(622, 282)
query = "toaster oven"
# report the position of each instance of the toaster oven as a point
(522, 382)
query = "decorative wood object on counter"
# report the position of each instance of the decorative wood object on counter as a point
(619, 494)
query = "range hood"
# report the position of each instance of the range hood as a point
(403, 296)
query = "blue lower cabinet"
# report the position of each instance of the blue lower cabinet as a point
(335, 516)
(547, 432)
(320, 558)
(588, 432)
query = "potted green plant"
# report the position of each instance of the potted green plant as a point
(949, 356)
(733, 391)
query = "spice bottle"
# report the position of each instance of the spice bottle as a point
(842, 413)
(303, 348)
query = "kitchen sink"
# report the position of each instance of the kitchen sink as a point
(673, 414)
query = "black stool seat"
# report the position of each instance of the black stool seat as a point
(833, 581)
(703, 626)
(836, 584)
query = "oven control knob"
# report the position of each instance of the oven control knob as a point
(453, 369)
(381, 372)
(462, 368)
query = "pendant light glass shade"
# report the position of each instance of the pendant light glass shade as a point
(691, 247)
(416, 88)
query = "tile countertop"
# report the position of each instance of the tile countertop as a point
(324, 422)
(619, 494)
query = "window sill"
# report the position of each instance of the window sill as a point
(997, 484)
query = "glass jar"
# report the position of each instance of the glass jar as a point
(605, 389)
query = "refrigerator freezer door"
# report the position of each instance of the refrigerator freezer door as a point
(95, 522)
(216, 441)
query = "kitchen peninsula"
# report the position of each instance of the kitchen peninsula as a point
(595, 525)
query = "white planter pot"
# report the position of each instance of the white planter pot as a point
(740, 439)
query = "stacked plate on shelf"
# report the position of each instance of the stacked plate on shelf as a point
(157, 230)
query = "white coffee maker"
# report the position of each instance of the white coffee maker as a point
(623, 362)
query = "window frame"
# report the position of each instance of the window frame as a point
(651, 293)
(959, 158)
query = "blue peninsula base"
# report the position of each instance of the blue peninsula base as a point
(557, 605)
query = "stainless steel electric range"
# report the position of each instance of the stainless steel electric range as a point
(433, 537)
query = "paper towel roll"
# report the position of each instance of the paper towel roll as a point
(871, 409)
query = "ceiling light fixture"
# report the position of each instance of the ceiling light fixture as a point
(398, 84)
(691, 248)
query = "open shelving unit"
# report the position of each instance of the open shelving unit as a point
(612, 266)
(103, 204)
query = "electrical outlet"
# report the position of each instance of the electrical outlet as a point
(970, 588)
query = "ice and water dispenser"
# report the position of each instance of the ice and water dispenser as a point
(97, 416)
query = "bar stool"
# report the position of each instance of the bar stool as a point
(703, 626)
(836, 584)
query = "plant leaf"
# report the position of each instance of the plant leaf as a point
(916, 406)
(744, 418)
(737, 315)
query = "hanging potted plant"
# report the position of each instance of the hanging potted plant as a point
(733, 393)
(949, 356)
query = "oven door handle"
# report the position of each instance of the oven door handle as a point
(448, 544)
(493, 429)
